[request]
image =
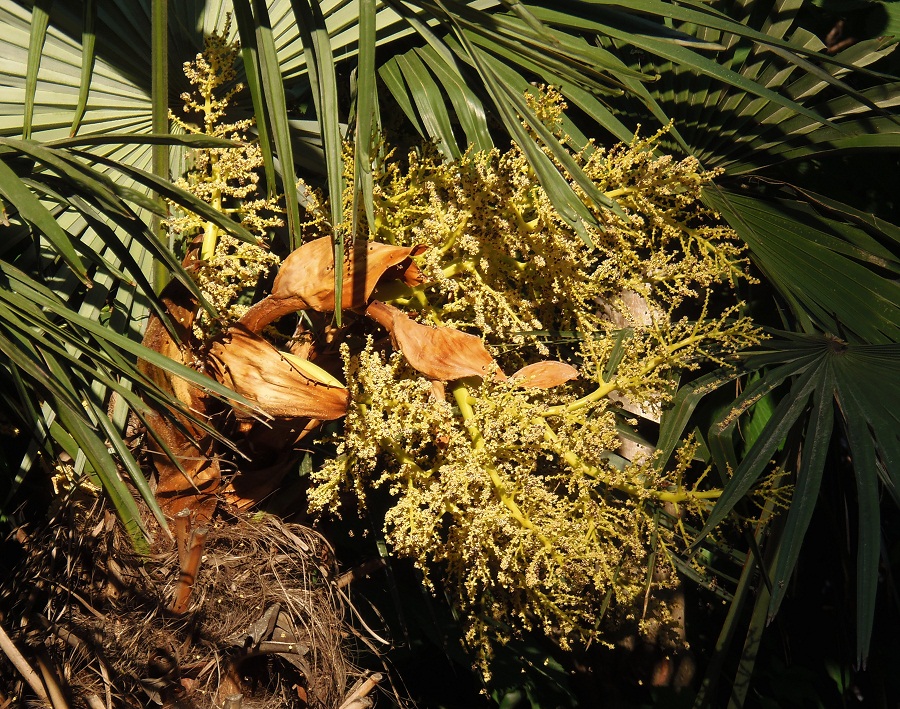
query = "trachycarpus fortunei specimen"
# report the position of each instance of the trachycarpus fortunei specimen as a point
(513, 484)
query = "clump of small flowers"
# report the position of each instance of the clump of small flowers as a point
(228, 270)
(525, 498)
(526, 538)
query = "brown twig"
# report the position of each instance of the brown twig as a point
(182, 534)
(79, 644)
(361, 691)
(359, 572)
(841, 46)
(189, 572)
(21, 664)
(107, 684)
(94, 702)
(836, 41)
(51, 681)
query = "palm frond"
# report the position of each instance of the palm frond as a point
(70, 332)
(813, 375)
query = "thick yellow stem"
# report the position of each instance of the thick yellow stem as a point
(464, 401)
(577, 463)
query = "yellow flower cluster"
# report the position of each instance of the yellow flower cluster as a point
(531, 524)
(227, 179)
(525, 498)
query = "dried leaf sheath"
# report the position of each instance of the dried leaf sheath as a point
(192, 448)
(256, 370)
(305, 280)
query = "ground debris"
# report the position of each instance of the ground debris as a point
(264, 619)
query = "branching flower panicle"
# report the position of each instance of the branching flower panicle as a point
(227, 179)
(528, 499)
(528, 538)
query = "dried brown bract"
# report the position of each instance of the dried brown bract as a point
(545, 375)
(255, 369)
(305, 280)
(441, 353)
(176, 441)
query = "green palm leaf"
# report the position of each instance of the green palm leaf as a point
(813, 261)
(820, 373)
(67, 349)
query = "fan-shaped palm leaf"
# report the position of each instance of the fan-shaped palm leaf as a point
(67, 348)
(819, 373)
(834, 266)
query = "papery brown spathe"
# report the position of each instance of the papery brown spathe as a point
(255, 369)
(440, 353)
(194, 485)
(544, 375)
(305, 280)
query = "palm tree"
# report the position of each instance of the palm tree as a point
(86, 146)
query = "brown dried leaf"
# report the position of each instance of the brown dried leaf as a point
(305, 280)
(194, 489)
(252, 367)
(440, 353)
(192, 447)
(545, 375)
(181, 307)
